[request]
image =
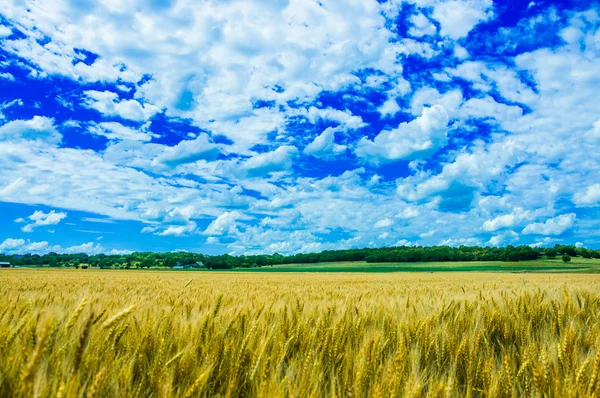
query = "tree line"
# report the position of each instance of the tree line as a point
(370, 255)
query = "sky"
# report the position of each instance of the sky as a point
(263, 126)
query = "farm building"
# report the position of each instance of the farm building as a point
(4, 264)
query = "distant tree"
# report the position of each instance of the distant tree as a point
(512, 256)
(586, 253)
(566, 258)
(570, 250)
(147, 262)
(52, 261)
(105, 263)
(550, 253)
(170, 262)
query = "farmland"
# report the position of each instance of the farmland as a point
(139, 333)
(577, 265)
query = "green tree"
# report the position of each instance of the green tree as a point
(147, 262)
(566, 258)
(550, 253)
(170, 262)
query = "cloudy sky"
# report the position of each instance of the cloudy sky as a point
(247, 126)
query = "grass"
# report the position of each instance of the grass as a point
(170, 334)
(577, 264)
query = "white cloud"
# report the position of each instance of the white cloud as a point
(422, 26)
(208, 60)
(88, 248)
(487, 107)
(389, 108)
(506, 220)
(122, 252)
(38, 128)
(546, 241)
(408, 212)
(10, 244)
(7, 76)
(460, 242)
(188, 151)
(404, 242)
(108, 103)
(485, 77)
(179, 230)
(270, 162)
(458, 17)
(226, 223)
(552, 226)
(385, 223)
(116, 131)
(413, 139)
(427, 234)
(40, 219)
(324, 146)
(460, 52)
(590, 196)
(504, 238)
(428, 96)
(5, 31)
(21, 246)
(345, 118)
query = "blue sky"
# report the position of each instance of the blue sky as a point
(295, 126)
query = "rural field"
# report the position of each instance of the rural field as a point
(556, 265)
(90, 333)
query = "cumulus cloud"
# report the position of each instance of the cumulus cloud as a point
(503, 238)
(454, 242)
(389, 108)
(487, 107)
(40, 219)
(38, 128)
(179, 230)
(345, 118)
(422, 26)
(5, 31)
(590, 196)
(458, 17)
(409, 140)
(506, 220)
(108, 103)
(10, 244)
(226, 223)
(385, 223)
(409, 212)
(22, 246)
(117, 131)
(429, 96)
(552, 226)
(403, 242)
(188, 151)
(270, 162)
(324, 146)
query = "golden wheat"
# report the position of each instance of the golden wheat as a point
(133, 333)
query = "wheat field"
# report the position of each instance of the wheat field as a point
(69, 333)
